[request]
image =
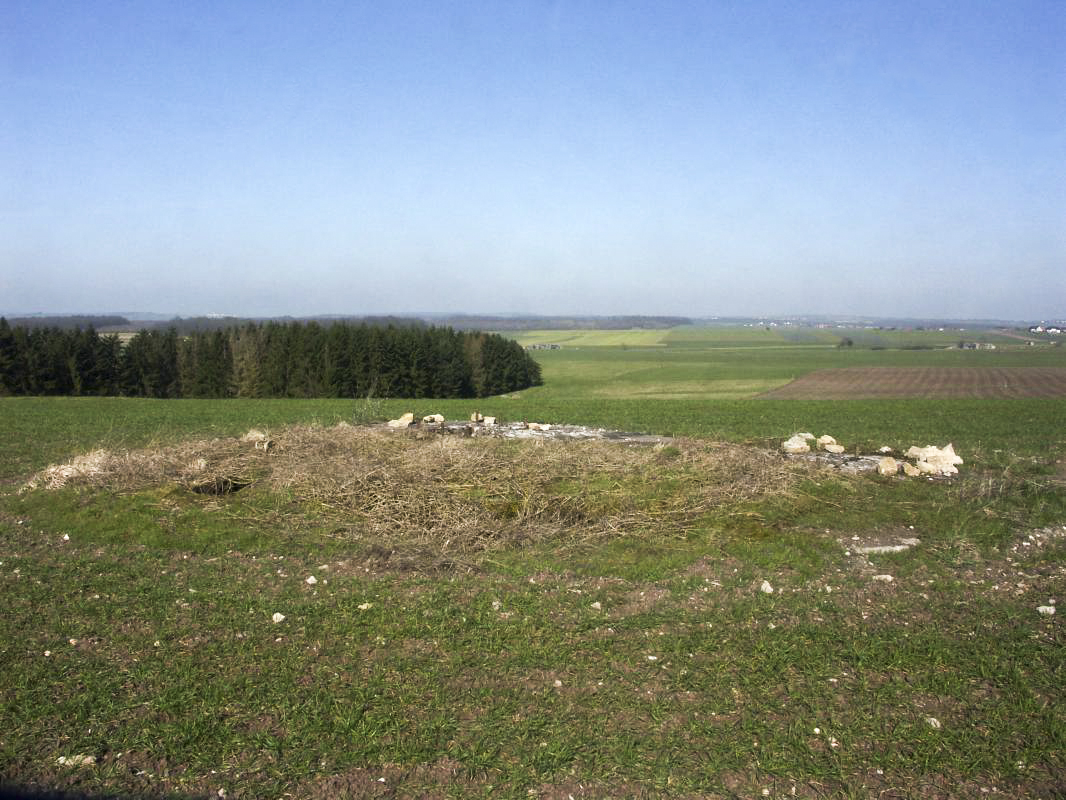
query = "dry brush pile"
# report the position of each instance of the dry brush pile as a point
(462, 494)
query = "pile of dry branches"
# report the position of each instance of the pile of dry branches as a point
(457, 493)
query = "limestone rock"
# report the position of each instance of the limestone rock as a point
(833, 448)
(796, 444)
(825, 440)
(476, 417)
(910, 470)
(490, 420)
(255, 435)
(885, 449)
(935, 460)
(888, 466)
(406, 421)
(438, 418)
(805, 435)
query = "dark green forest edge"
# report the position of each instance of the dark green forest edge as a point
(264, 360)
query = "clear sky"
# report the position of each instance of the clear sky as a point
(697, 158)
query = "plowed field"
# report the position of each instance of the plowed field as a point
(861, 382)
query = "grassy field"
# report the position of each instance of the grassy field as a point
(520, 620)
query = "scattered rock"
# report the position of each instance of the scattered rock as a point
(826, 439)
(877, 549)
(278, 617)
(311, 580)
(910, 470)
(885, 449)
(476, 417)
(433, 418)
(255, 435)
(933, 723)
(934, 460)
(406, 421)
(766, 588)
(883, 578)
(796, 444)
(1046, 611)
(888, 466)
(833, 448)
(365, 606)
(598, 605)
(808, 436)
(489, 420)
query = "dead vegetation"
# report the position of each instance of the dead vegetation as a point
(451, 493)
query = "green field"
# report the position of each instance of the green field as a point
(554, 620)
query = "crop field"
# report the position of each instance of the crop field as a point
(354, 612)
(860, 382)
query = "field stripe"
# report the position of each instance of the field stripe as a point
(874, 382)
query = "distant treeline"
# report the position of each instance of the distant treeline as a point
(492, 323)
(71, 322)
(264, 360)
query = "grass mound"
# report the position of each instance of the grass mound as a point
(453, 493)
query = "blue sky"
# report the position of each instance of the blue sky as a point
(705, 158)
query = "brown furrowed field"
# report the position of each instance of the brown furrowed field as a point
(865, 382)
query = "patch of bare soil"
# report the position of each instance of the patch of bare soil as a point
(451, 494)
(874, 382)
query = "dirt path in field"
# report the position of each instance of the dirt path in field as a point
(864, 382)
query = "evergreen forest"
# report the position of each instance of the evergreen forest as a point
(264, 360)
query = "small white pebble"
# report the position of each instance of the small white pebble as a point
(496, 605)
(817, 731)
(883, 578)
(765, 792)
(47, 653)
(311, 580)
(1047, 611)
(766, 588)
(73, 641)
(652, 658)
(221, 792)
(157, 643)
(365, 606)
(597, 605)
(933, 723)
(558, 684)
(66, 537)
(278, 617)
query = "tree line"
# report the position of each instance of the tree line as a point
(264, 360)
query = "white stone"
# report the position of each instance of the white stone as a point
(433, 418)
(766, 588)
(1047, 611)
(935, 460)
(278, 617)
(598, 605)
(490, 420)
(808, 436)
(365, 606)
(405, 421)
(888, 466)
(795, 444)
(834, 448)
(826, 439)
(910, 470)
(933, 723)
(476, 417)
(885, 449)
(311, 580)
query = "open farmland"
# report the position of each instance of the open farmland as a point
(864, 382)
(486, 618)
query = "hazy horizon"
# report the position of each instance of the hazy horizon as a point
(902, 160)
